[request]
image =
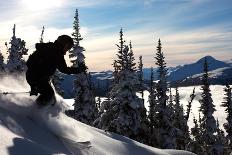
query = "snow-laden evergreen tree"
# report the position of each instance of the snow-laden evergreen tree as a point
(227, 103)
(166, 130)
(219, 146)
(123, 112)
(192, 96)
(153, 124)
(170, 99)
(2, 65)
(170, 103)
(131, 59)
(143, 133)
(180, 123)
(196, 144)
(85, 109)
(208, 123)
(115, 73)
(140, 74)
(15, 61)
(77, 51)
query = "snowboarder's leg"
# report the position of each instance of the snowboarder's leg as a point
(46, 93)
(31, 80)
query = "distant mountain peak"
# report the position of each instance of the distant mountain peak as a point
(208, 57)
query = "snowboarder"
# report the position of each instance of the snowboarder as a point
(43, 63)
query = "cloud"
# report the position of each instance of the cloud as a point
(179, 48)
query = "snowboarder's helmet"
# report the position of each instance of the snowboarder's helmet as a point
(65, 39)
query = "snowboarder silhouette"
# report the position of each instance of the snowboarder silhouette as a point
(43, 63)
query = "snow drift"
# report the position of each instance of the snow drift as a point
(26, 128)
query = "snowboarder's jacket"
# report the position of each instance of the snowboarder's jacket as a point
(46, 59)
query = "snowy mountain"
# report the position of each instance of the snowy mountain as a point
(27, 129)
(185, 74)
(229, 62)
(101, 81)
(195, 68)
(217, 76)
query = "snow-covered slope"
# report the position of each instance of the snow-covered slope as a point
(27, 129)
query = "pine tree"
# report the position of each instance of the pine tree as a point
(219, 146)
(208, 123)
(76, 54)
(115, 73)
(196, 144)
(85, 109)
(2, 65)
(153, 124)
(165, 126)
(227, 103)
(15, 62)
(124, 111)
(170, 101)
(131, 59)
(170, 104)
(180, 123)
(192, 96)
(140, 74)
(42, 36)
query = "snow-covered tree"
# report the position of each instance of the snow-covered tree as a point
(140, 74)
(192, 96)
(85, 109)
(227, 103)
(170, 103)
(196, 144)
(77, 52)
(165, 127)
(180, 123)
(170, 99)
(208, 123)
(219, 146)
(2, 65)
(15, 61)
(153, 124)
(123, 112)
(115, 73)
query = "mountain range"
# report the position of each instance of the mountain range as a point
(183, 75)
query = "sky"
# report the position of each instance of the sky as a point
(188, 29)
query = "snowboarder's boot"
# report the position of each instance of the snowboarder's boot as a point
(34, 91)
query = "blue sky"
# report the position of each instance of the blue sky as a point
(189, 29)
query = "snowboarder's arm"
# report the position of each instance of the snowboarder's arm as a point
(62, 67)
